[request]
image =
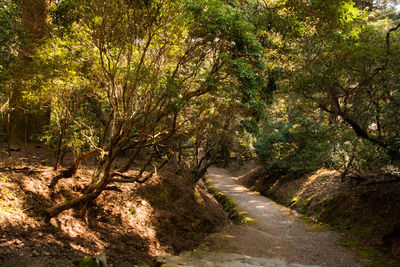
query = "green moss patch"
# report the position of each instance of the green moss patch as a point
(374, 257)
(316, 226)
(230, 206)
(89, 262)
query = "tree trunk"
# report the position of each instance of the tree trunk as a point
(54, 211)
(59, 143)
(202, 171)
(92, 191)
(35, 22)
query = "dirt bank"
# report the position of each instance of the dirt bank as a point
(130, 224)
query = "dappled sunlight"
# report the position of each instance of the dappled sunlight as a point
(320, 181)
(73, 228)
(113, 111)
(80, 248)
(275, 184)
(257, 205)
(238, 188)
(10, 206)
(160, 216)
(276, 232)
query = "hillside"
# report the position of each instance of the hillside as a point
(129, 224)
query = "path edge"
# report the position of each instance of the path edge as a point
(235, 214)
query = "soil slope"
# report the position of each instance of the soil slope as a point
(130, 224)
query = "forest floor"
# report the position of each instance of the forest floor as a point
(130, 224)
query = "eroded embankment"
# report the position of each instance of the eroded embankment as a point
(131, 224)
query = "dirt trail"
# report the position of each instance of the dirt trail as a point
(277, 234)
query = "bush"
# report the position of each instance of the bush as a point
(295, 149)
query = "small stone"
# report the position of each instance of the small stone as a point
(46, 253)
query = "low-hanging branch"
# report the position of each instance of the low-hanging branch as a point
(137, 179)
(71, 171)
(358, 130)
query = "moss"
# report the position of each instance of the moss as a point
(306, 206)
(196, 238)
(229, 205)
(316, 226)
(341, 209)
(332, 212)
(212, 190)
(245, 219)
(88, 262)
(366, 229)
(302, 206)
(318, 208)
(374, 257)
(196, 195)
(305, 219)
(132, 211)
(292, 202)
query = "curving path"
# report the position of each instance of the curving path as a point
(276, 238)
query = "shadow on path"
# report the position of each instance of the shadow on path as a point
(276, 233)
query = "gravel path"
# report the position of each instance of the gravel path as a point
(276, 238)
(277, 232)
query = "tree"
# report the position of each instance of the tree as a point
(336, 67)
(358, 83)
(151, 61)
(10, 42)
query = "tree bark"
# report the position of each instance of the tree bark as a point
(54, 211)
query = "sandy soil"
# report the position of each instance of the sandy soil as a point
(276, 233)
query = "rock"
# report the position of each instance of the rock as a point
(96, 261)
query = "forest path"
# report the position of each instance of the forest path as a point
(277, 237)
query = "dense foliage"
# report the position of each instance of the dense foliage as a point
(337, 103)
(304, 84)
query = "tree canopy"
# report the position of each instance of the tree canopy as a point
(302, 84)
